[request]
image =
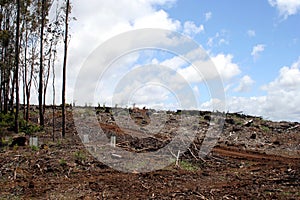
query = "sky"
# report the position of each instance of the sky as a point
(253, 44)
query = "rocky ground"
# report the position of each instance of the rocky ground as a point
(252, 158)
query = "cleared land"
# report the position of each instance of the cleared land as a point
(253, 159)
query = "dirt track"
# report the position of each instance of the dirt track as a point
(248, 155)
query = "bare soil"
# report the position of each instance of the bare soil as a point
(253, 159)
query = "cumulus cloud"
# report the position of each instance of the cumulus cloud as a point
(245, 84)
(284, 93)
(289, 79)
(226, 67)
(160, 19)
(175, 62)
(281, 101)
(251, 33)
(249, 105)
(286, 7)
(191, 29)
(100, 20)
(257, 50)
(180, 77)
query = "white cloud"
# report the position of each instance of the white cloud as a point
(257, 50)
(191, 29)
(226, 69)
(251, 33)
(245, 84)
(249, 105)
(159, 19)
(174, 63)
(284, 93)
(218, 39)
(289, 79)
(208, 16)
(225, 66)
(286, 7)
(99, 20)
(281, 101)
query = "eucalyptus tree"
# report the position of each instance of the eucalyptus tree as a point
(17, 50)
(68, 9)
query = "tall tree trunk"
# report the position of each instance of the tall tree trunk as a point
(7, 69)
(65, 70)
(28, 84)
(41, 72)
(25, 75)
(17, 67)
(53, 96)
(46, 81)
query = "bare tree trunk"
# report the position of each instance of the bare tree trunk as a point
(17, 67)
(41, 72)
(64, 70)
(53, 96)
(48, 74)
(28, 84)
(25, 76)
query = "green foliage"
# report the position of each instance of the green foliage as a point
(3, 141)
(265, 128)
(30, 128)
(62, 162)
(239, 123)
(188, 166)
(16, 147)
(6, 120)
(34, 148)
(80, 156)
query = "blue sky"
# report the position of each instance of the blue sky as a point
(254, 44)
(245, 25)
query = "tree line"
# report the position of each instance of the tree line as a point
(29, 42)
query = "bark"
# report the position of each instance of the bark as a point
(17, 67)
(41, 72)
(64, 70)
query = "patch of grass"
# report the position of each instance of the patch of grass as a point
(34, 148)
(188, 166)
(62, 162)
(80, 156)
(265, 128)
(239, 123)
(30, 128)
(16, 147)
(287, 193)
(4, 142)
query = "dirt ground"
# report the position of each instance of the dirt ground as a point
(253, 159)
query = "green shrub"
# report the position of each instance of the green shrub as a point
(7, 120)
(34, 148)
(30, 128)
(80, 156)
